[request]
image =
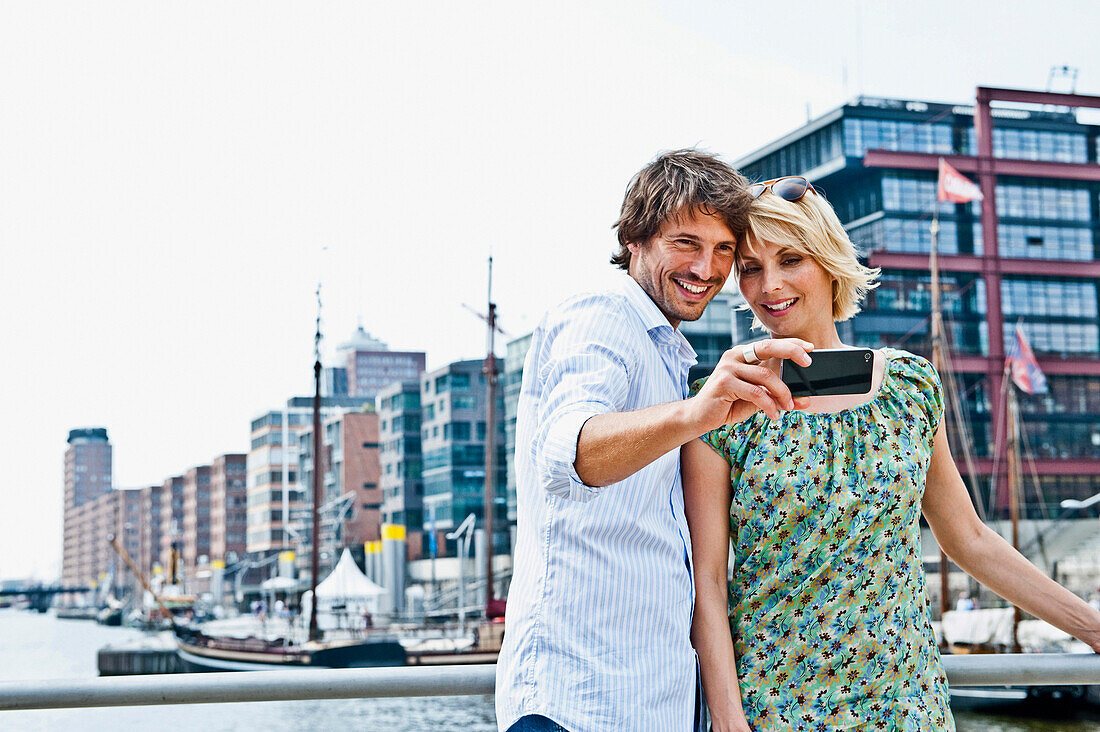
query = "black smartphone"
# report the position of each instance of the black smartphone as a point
(834, 371)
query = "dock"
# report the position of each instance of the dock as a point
(155, 654)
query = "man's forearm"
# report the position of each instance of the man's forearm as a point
(614, 446)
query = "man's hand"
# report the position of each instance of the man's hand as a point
(737, 389)
(615, 445)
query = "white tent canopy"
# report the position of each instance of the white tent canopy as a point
(348, 584)
(279, 584)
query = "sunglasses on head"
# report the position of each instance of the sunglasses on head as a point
(789, 188)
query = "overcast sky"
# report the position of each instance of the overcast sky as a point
(175, 177)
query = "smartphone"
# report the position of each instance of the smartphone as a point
(834, 371)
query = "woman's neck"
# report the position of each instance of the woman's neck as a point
(822, 337)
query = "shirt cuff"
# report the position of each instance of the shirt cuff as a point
(560, 452)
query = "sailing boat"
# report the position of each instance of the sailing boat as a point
(201, 652)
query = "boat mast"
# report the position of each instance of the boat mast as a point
(938, 364)
(113, 541)
(490, 440)
(314, 633)
(1012, 447)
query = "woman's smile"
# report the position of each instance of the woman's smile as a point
(779, 308)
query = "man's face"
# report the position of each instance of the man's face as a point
(684, 265)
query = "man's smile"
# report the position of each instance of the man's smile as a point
(692, 290)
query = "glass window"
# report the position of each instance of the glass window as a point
(800, 156)
(463, 402)
(1049, 298)
(457, 431)
(1064, 203)
(910, 291)
(1045, 242)
(901, 192)
(1064, 438)
(1026, 144)
(1058, 338)
(1072, 395)
(861, 135)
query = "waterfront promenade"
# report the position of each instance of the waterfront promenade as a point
(42, 647)
(39, 647)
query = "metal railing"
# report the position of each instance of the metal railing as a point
(256, 686)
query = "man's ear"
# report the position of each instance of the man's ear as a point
(634, 247)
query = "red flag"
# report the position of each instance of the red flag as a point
(956, 187)
(1023, 367)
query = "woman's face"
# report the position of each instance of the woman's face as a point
(790, 293)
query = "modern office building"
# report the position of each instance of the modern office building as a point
(511, 380)
(351, 497)
(370, 366)
(88, 461)
(400, 459)
(1029, 254)
(228, 508)
(334, 381)
(453, 407)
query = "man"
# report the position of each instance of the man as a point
(599, 610)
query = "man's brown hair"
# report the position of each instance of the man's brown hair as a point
(678, 182)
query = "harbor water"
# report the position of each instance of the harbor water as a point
(37, 646)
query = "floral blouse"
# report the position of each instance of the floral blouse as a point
(828, 610)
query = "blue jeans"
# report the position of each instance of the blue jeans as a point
(536, 723)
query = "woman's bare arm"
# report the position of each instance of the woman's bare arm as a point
(706, 477)
(988, 558)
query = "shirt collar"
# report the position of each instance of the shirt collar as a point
(655, 322)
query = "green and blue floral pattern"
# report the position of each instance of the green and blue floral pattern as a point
(828, 609)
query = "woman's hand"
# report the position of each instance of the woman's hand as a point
(988, 558)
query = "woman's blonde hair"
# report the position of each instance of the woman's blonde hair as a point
(810, 227)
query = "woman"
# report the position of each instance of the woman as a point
(828, 625)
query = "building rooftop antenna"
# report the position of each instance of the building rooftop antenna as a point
(1064, 73)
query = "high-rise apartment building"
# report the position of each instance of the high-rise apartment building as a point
(400, 461)
(148, 558)
(1027, 255)
(195, 525)
(453, 407)
(351, 491)
(228, 508)
(273, 455)
(129, 524)
(88, 461)
(171, 527)
(272, 478)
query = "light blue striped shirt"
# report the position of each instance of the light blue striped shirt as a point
(599, 610)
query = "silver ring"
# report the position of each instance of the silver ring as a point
(749, 354)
